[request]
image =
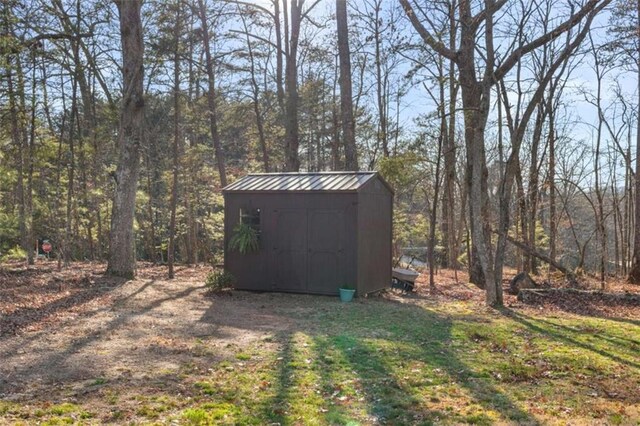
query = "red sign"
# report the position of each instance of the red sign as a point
(46, 247)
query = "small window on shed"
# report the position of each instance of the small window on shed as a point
(251, 217)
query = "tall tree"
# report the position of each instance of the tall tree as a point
(292, 24)
(15, 80)
(448, 224)
(175, 151)
(346, 97)
(476, 99)
(121, 249)
(211, 93)
(255, 95)
(292, 131)
(625, 29)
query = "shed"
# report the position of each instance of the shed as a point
(317, 231)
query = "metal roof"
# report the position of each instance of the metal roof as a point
(317, 181)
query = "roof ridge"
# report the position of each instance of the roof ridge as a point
(337, 172)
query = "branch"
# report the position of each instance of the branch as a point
(306, 12)
(257, 37)
(250, 5)
(488, 11)
(34, 41)
(591, 6)
(530, 251)
(563, 57)
(436, 45)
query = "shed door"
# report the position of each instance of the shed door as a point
(325, 241)
(290, 250)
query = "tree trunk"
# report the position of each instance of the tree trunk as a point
(383, 136)
(634, 272)
(552, 188)
(255, 94)
(28, 199)
(121, 249)
(175, 151)
(279, 53)
(346, 97)
(336, 164)
(568, 273)
(436, 188)
(66, 244)
(292, 137)
(211, 95)
(533, 192)
(522, 216)
(152, 227)
(17, 140)
(600, 218)
(448, 226)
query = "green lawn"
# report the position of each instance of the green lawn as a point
(381, 361)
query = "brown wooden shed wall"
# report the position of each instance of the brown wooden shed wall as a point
(375, 216)
(315, 241)
(292, 248)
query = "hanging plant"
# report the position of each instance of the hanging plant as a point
(244, 239)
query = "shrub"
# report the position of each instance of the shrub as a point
(16, 253)
(219, 280)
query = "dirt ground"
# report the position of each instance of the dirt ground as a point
(121, 332)
(63, 335)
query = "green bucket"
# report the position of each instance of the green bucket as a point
(346, 294)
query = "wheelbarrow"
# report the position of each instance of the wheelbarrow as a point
(404, 279)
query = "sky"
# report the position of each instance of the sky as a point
(417, 102)
(583, 115)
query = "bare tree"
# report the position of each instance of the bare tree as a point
(211, 93)
(255, 96)
(625, 25)
(476, 100)
(346, 97)
(291, 135)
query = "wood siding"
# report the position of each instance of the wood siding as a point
(307, 243)
(314, 242)
(375, 213)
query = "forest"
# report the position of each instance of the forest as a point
(491, 150)
(509, 130)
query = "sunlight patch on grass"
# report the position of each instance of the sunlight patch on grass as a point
(382, 362)
(195, 416)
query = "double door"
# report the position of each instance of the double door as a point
(308, 250)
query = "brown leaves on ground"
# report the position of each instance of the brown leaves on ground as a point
(454, 285)
(591, 303)
(610, 302)
(136, 350)
(32, 297)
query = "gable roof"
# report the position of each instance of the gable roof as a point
(314, 181)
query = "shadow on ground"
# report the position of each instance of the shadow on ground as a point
(278, 358)
(380, 348)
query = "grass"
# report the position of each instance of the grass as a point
(403, 364)
(380, 361)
